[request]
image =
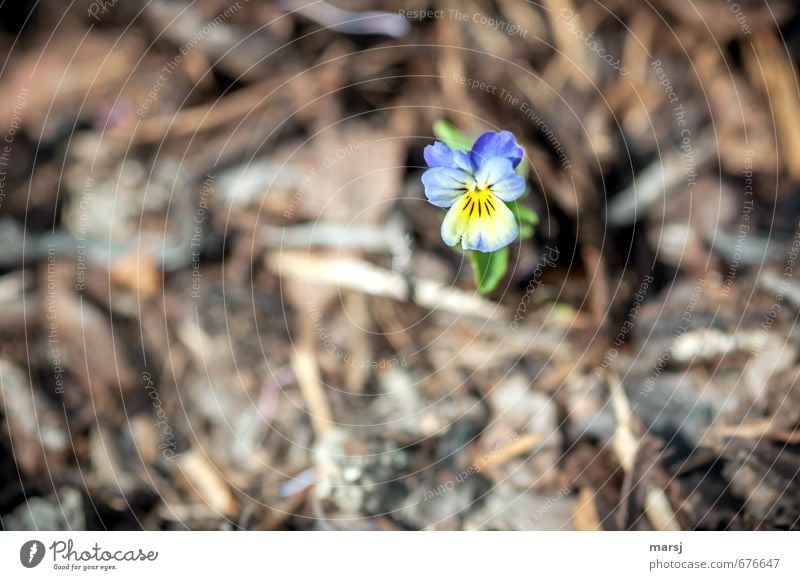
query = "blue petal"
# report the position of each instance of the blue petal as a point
(444, 185)
(499, 176)
(440, 155)
(493, 144)
(463, 160)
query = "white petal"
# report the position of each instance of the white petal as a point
(454, 224)
(489, 233)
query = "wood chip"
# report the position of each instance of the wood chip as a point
(206, 481)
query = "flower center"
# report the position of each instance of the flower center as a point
(478, 203)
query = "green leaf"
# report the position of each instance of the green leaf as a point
(523, 169)
(489, 268)
(452, 137)
(526, 218)
(523, 212)
(564, 311)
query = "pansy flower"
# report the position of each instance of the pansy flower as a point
(475, 185)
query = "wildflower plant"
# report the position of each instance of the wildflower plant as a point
(480, 184)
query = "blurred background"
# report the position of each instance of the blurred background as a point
(225, 302)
